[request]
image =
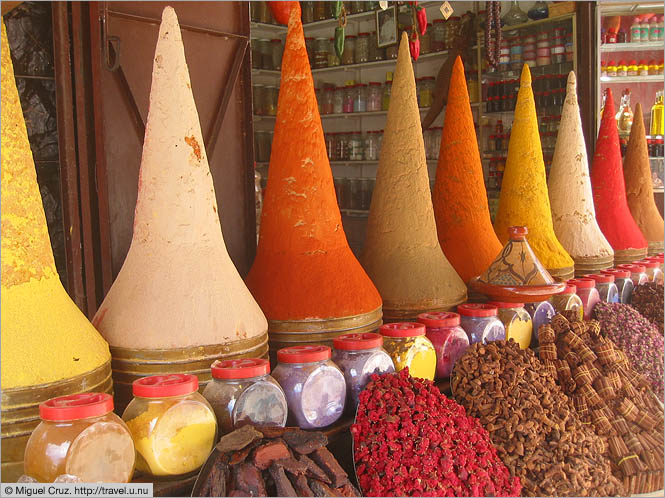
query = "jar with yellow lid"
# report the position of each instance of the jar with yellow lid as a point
(517, 322)
(173, 426)
(408, 346)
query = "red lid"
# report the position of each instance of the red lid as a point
(477, 309)
(363, 34)
(162, 386)
(439, 319)
(603, 278)
(570, 289)
(402, 329)
(655, 258)
(304, 354)
(76, 406)
(634, 268)
(240, 369)
(349, 36)
(355, 342)
(517, 233)
(618, 273)
(633, 62)
(583, 283)
(502, 305)
(374, 83)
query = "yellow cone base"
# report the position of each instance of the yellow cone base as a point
(589, 266)
(627, 256)
(562, 274)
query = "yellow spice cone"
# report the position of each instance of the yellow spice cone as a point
(178, 287)
(402, 254)
(571, 198)
(639, 187)
(524, 200)
(45, 337)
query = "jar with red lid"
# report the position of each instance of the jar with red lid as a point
(658, 258)
(586, 290)
(449, 339)
(568, 300)
(359, 356)
(80, 437)
(408, 346)
(541, 314)
(174, 428)
(517, 322)
(314, 386)
(638, 273)
(652, 269)
(623, 282)
(607, 289)
(242, 391)
(481, 323)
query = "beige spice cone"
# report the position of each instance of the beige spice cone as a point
(178, 287)
(402, 254)
(569, 186)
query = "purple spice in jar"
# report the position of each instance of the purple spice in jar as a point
(480, 322)
(449, 339)
(541, 314)
(359, 356)
(314, 386)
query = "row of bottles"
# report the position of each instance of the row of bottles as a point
(625, 115)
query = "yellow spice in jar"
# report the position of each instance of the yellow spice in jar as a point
(417, 353)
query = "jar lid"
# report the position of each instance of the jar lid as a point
(648, 263)
(76, 406)
(503, 305)
(276, 40)
(656, 258)
(355, 342)
(477, 309)
(240, 369)
(603, 278)
(583, 283)
(374, 83)
(350, 37)
(634, 268)
(304, 354)
(439, 319)
(439, 21)
(363, 34)
(162, 386)
(570, 289)
(402, 329)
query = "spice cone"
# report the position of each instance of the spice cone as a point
(639, 189)
(402, 254)
(304, 268)
(45, 337)
(460, 199)
(609, 191)
(523, 200)
(178, 287)
(571, 198)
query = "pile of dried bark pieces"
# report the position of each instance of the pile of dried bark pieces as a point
(273, 461)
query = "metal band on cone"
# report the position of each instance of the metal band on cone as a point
(562, 274)
(588, 266)
(627, 256)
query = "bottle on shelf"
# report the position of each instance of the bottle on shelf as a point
(657, 116)
(644, 30)
(635, 31)
(622, 68)
(625, 115)
(653, 28)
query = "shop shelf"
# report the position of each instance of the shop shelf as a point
(530, 24)
(271, 72)
(632, 47)
(355, 212)
(365, 65)
(560, 68)
(264, 30)
(655, 78)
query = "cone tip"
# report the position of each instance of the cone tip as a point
(526, 75)
(638, 109)
(169, 15)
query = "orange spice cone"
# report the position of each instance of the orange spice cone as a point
(609, 192)
(304, 270)
(402, 254)
(571, 198)
(639, 188)
(460, 200)
(178, 289)
(523, 200)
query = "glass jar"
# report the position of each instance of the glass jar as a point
(262, 145)
(653, 271)
(408, 346)
(349, 93)
(426, 91)
(174, 428)
(359, 356)
(438, 35)
(355, 146)
(343, 147)
(314, 386)
(452, 28)
(362, 48)
(271, 97)
(374, 95)
(426, 41)
(348, 56)
(328, 101)
(449, 339)
(392, 51)
(360, 98)
(333, 59)
(568, 300)
(638, 273)
(365, 194)
(307, 13)
(586, 290)
(321, 46)
(371, 151)
(657, 258)
(80, 436)
(480, 322)
(375, 52)
(258, 99)
(623, 282)
(276, 49)
(541, 314)
(338, 100)
(437, 131)
(309, 46)
(606, 287)
(243, 391)
(517, 322)
(385, 99)
(265, 50)
(319, 11)
(263, 13)
(256, 53)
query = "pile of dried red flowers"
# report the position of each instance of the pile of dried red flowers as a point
(410, 440)
(648, 300)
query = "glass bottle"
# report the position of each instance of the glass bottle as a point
(625, 115)
(385, 103)
(635, 32)
(658, 116)
(515, 15)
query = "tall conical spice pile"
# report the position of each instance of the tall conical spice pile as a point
(523, 200)
(639, 187)
(178, 300)
(460, 200)
(402, 254)
(609, 192)
(571, 198)
(305, 276)
(45, 337)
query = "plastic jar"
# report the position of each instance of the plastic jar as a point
(408, 346)
(243, 391)
(658, 258)
(622, 69)
(449, 339)
(586, 290)
(481, 323)
(568, 300)
(358, 356)
(174, 428)
(652, 268)
(258, 99)
(321, 47)
(348, 56)
(438, 42)
(328, 101)
(426, 41)
(638, 273)
(360, 98)
(426, 92)
(80, 436)
(606, 287)
(271, 93)
(338, 100)
(541, 314)
(385, 99)
(276, 49)
(632, 68)
(314, 386)
(362, 48)
(611, 69)
(374, 95)
(319, 11)
(355, 146)
(347, 103)
(371, 150)
(623, 282)
(265, 50)
(643, 68)
(517, 322)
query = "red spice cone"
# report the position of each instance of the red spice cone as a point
(639, 188)
(304, 267)
(609, 190)
(462, 214)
